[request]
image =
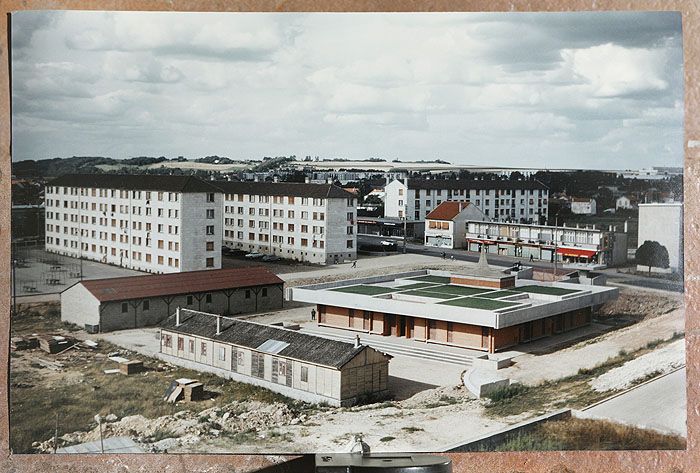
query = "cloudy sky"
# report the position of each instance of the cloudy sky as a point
(584, 90)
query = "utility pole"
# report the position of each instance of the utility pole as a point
(404, 235)
(55, 435)
(554, 235)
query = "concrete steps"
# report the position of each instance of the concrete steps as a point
(400, 349)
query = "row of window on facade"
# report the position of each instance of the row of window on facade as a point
(120, 193)
(189, 300)
(135, 255)
(467, 192)
(279, 199)
(278, 213)
(279, 239)
(282, 367)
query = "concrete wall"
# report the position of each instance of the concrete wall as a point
(663, 223)
(194, 253)
(79, 306)
(323, 384)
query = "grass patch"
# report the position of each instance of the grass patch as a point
(572, 391)
(459, 290)
(46, 394)
(498, 294)
(548, 290)
(478, 303)
(365, 290)
(417, 285)
(590, 434)
(507, 393)
(433, 295)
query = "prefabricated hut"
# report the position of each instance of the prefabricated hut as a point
(298, 365)
(103, 305)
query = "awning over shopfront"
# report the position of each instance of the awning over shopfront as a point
(479, 240)
(576, 252)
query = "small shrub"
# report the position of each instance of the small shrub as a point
(509, 392)
(654, 343)
(388, 438)
(622, 352)
(161, 434)
(412, 429)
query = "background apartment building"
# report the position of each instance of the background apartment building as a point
(302, 221)
(154, 223)
(517, 201)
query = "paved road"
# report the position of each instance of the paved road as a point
(660, 404)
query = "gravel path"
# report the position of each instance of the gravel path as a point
(533, 369)
(661, 361)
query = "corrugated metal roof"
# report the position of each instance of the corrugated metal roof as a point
(447, 210)
(296, 189)
(156, 182)
(189, 282)
(301, 346)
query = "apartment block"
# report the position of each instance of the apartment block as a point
(500, 200)
(302, 221)
(542, 242)
(153, 223)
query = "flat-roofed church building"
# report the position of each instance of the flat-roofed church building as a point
(481, 308)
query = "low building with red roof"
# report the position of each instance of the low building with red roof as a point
(103, 305)
(446, 225)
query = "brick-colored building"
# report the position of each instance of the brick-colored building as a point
(102, 305)
(482, 309)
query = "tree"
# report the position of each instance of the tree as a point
(652, 253)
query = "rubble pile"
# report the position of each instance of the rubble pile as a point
(186, 427)
(639, 305)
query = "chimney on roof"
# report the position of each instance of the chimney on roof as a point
(177, 316)
(357, 341)
(218, 324)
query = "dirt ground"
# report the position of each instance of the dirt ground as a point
(241, 418)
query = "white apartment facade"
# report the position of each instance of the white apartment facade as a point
(499, 200)
(583, 206)
(153, 223)
(302, 221)
(446, 226)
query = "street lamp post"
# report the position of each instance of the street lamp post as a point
(14, 287)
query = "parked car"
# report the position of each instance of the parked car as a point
(254, 255)
(271, 258)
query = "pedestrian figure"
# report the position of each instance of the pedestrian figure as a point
(452, 257)
(354, 264)
(531, 258)
(313, 314)
(444, 255)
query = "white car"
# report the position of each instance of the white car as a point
(254, 255)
